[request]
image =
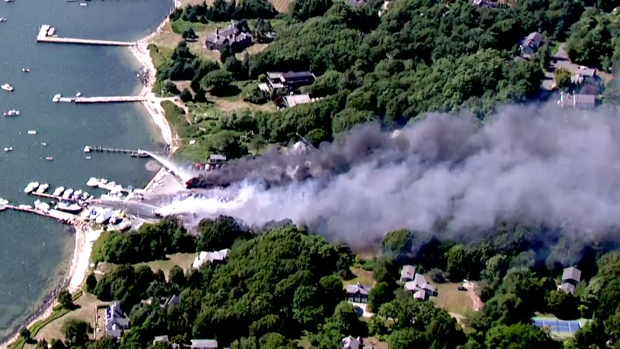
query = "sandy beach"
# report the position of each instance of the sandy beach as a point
(85, 237)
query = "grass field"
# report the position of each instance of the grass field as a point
(177, 119)
(280, 5)
(87, 304)
(183, 260)
(362, 276)
(451, 299)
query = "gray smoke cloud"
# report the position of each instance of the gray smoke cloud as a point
(542, 166)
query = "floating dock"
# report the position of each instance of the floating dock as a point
(44, 36)
(59, 215)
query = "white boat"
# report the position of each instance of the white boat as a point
(25, 207)
(11, 112)
(104, 216)
(56, 98)
(77, 195)
(42, 206)
(8, 149)
(83, 4)
(94, 214)
(7, 87)
(88, 158)
(51, 31)
(2, 19)
(67, 194)
(68, 206)
(85, 196)
(93, 182)
(32, 132)
(4, 201)
(9, 0)
(32, 186)
(58, 191)
(43, 188)
(103, 180)
(78, 94)
(87, 149)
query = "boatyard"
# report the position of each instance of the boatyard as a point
(46, 34)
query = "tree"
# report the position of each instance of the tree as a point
(25, 334)
(91, 282)
(171, 87)
(65, 299)
(177, 276)
(186, 96)
(218, 233)
(189, 34)
(457, 262)
(562, 79)
(76, 332)
(518, 336)
(380, 294)
(217, 81)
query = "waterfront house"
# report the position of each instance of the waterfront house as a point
(210, 257)
(420, 288)
(357, 293)
(570, 278)
(204, 344)
(115, 322)
(407, 273)
(236, 35)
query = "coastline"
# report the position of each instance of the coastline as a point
(84, 235)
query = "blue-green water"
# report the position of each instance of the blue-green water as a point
(34, 250)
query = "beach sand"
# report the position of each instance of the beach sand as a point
(85, 237)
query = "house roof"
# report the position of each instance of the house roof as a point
(408, 272)
(567, 287)
(571, 273)
(358, 288)
(534, 38)
(174, 300)
(586, 72)
(204, 343)
(584, 99)
(160, 339)
(204, 257)
(232, 33)
(419, 283)
(289, 75)
(294, 100)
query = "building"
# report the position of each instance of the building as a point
(211, 257)
(204, 344)
(570, 278)
(357, 293)
(172, 301)
(583, 75)
(407, 273)
(215, 161)
(354, 343)
(289, 80)
(420, 288)
(531, 43)
(577, 101)
(484, 3)
(115, 322)
(163, 339)
(236, 35)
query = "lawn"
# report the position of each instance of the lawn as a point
(451, 299)
(87, 307)
(184, 260)
(362, 276)
(177, 119)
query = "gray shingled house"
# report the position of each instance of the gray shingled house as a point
(420, 288)
(531, 43)
(236, 35)
(115, 322)
(357, 293)
(407, 273)
(570, 278)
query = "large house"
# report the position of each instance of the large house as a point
(531, 43)
(236, 35)
(204, 344)
(211, 257)
(577, 101)
(407, 273)
(584, 75)
(570, 278)
(419, 287)
(288, 81)
(357, 293)
(115, 322)
(354, 343)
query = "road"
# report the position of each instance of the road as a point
(560, 60)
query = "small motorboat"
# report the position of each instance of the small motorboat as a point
(32, 132)
(11, 112)
(49, 158)
(2, 19)
(78, 94)
(58, 191)
(9, 0)
(26, 70)
(44, 144)
(7, 87)
(88, 158)
(87, 149)
(83, 4)
(8, 149)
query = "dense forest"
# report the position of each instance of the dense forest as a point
(281, 283)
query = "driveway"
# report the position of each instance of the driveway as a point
(560, 60)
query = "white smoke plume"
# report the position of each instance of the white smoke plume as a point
(533, 165)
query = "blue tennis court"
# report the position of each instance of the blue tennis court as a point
(557, 326)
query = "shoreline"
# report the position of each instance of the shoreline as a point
(84, 235)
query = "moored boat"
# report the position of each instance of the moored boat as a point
(58, 191)
(56, 98)
(32, 186)
(67, 194)
(93, 182)
(68, 206)
(11, 112)
(49, 158)
(26, 70)
(2, 19)
(7, 87)
(43, 188)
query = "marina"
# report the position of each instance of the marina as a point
(46, 32)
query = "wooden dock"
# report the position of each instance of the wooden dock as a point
(59, 215)
(110, 99)
(99, 149)
(44, 37)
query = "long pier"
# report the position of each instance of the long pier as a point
(59, 215)
(109, 99)
(45, 37)
(99, 149)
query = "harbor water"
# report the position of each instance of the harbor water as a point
(34, 251)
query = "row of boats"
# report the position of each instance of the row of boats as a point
(104, 184)
(105, 215)
(69, 197)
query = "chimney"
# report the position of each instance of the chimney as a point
(217, 31)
